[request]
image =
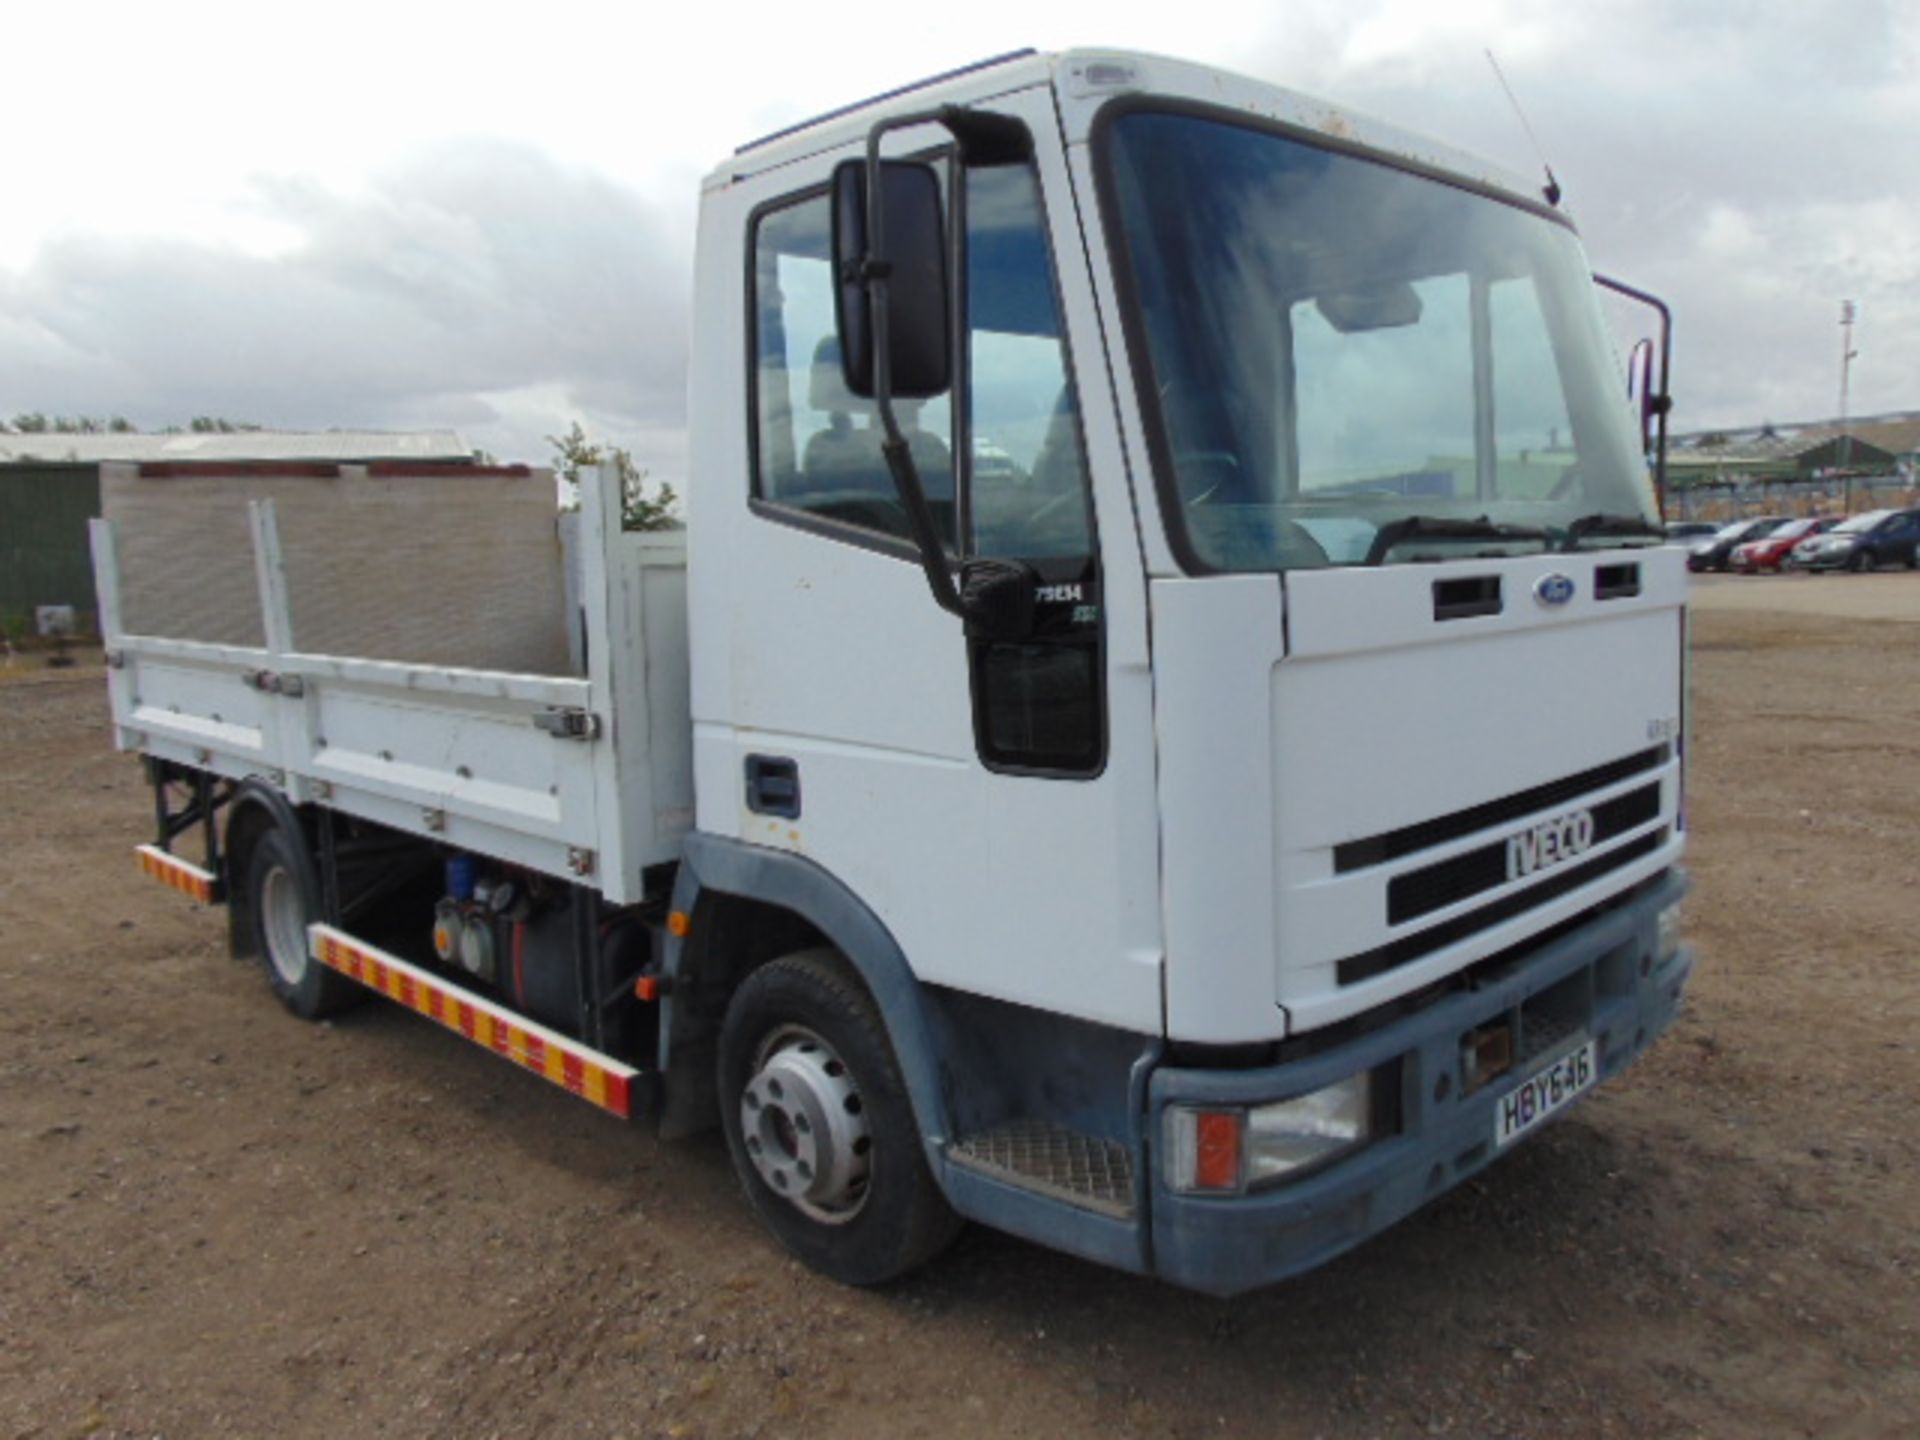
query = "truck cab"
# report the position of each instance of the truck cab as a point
(1334, 787)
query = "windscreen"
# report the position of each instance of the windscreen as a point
(1337, 345)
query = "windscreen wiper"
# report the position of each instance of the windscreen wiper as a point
(1603, 524)
(1438, 527)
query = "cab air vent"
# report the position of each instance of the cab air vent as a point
(1615, 582)
(1469, 596)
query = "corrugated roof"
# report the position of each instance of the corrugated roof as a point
(332, 446)
(1895, 437)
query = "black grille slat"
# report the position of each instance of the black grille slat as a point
(1616, 582)
(1465, 597)
(1409, 839)
(1421, 892)
(1369, 963)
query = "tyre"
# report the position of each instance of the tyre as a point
(819, 1125)
(1861, 562)
(282, 904)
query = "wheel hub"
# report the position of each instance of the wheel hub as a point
(284, 923)
(805, 1126)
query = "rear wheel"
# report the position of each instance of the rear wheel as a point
(819, 1125)
(281, 899)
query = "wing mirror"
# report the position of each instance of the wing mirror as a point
(1649, 370)
(901, 241)
(1643, 392)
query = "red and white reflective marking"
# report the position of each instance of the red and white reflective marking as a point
(567, 1063)
(182, 875)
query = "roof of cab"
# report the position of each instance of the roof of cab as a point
(1087, 79)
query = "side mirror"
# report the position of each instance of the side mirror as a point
(909, 275)
(1649, 373)
(1641, 390)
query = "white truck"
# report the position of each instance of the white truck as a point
(1163, 732)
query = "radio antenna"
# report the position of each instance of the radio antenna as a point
(1552, 188)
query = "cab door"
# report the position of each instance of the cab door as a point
(992, 803)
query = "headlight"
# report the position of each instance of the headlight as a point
(1293, 1134)
(1223, 1151)
(1666, 940)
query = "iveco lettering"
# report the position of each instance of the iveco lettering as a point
(1163, 731)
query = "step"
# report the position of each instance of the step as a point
(1042, 1156)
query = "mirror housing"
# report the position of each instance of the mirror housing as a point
(1640, 390)
(997, 599)
(1653, 376)
(909, 278)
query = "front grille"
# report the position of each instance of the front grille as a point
(1434, 887)
(1410, 839)
(1369, 963)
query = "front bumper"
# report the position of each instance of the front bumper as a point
(1600, 978)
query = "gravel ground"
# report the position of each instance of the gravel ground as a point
(219, 1221)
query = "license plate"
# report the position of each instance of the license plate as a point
(1543, 1093)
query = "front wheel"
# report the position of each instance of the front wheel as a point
(1861, 562)
(819, 1126)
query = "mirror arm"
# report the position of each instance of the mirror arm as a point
(875, 274)
(1662, 402)
(913, 498)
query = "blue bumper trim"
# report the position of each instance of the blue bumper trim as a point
(1602, 981)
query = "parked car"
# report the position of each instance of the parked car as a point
(1770, 551)
(1715, 552)
(1689, 532)
(1866, 542)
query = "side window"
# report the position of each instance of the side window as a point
(1039, 705)
(1028, 494)
(818, 443)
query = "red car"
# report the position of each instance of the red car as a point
(1771, 550)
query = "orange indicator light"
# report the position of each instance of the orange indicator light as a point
(1216, 1160)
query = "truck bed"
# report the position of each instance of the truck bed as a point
(392, 642)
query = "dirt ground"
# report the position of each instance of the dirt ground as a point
(220, 1221)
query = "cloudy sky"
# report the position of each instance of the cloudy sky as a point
(403, 215)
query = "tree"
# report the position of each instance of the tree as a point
(574, 452)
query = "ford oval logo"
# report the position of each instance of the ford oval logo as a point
(1553, 589)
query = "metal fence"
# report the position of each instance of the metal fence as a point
(44, 558)
(1739, 500)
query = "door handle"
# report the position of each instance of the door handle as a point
(773, 786)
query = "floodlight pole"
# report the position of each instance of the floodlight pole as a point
(1847, 352)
